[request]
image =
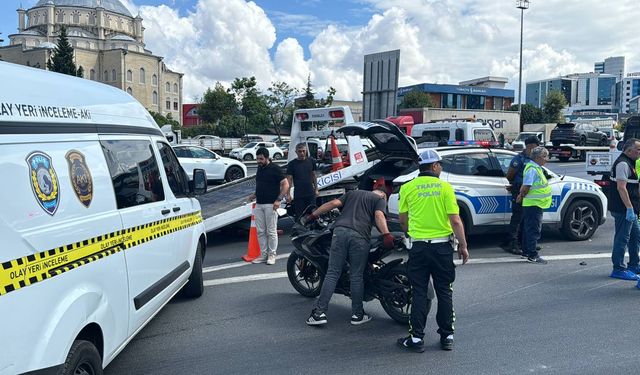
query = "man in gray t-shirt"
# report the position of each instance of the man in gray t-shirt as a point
(351, 234)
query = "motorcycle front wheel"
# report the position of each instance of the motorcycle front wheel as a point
(305, 278)
(397, 304)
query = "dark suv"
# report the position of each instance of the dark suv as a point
(578, 134)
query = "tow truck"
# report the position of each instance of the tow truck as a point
(227, 204)
(600, 163)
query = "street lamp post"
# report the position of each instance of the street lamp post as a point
(522, 5)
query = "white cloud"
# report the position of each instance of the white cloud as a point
(443, 41)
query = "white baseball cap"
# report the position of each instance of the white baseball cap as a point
(429, 156)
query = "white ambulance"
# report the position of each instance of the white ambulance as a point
(99, 225)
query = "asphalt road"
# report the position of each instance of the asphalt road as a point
(512, 317)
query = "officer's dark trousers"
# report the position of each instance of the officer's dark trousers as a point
(435, 261)
(531, 229)
(515, 228)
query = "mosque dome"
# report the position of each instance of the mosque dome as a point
(110, 5)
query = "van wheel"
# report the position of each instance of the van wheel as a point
(83, 359)
(195, 286)
(247, 157)
(563, 158)
(580, 221)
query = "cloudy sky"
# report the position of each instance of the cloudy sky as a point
(440, 41)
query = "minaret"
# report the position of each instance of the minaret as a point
(100, 23)
(138, 29)
(21, 18)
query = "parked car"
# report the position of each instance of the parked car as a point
(217, 167)
(248, 152)
(579, 135)
(477, 175)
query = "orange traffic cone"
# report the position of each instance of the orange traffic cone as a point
(253, 250)
(336, 159)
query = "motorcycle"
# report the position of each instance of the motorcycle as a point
(384, 281)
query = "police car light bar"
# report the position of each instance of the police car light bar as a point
(476, 143)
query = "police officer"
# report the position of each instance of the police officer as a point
(535, 197)
(429, 214)
(514, 175)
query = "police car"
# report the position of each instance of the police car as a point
(99, 225)
(478, 177)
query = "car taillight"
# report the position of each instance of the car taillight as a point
(602, 182)
(336, 114)
(302, 116)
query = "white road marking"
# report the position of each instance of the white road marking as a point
(278, 275)
(242, 279)
(235, 265)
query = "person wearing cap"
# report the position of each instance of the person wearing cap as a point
(515, 175)
(535, 197)
(429, 214)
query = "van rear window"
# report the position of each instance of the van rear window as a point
(483, 135)
(438, 136)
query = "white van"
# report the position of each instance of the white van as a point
(99, 226)
(455, 132)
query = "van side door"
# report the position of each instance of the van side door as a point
(154, 263)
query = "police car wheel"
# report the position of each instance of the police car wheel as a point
(195, 286)
(83, 359)
(305, 278)
(580, 221)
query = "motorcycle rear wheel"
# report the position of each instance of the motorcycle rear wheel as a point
(398, 304)
(305, 278)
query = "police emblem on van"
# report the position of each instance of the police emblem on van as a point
(44, 181)
(80, 177)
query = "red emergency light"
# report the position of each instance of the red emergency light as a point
(301, 116)
(338, 113)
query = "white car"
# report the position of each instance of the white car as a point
(248, 152)
(478, 178)
(217, 167)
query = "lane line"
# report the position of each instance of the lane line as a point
(241, 279)
(511, 259)
(278, 275)
(236, 264)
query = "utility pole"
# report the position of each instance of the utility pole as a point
(522, 5)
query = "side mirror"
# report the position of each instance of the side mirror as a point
(199, 181)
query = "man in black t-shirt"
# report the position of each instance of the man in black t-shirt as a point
(301, 174)
(351, 236)
(271, 188)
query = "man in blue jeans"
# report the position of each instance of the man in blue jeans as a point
(624, 204)
(351, 236)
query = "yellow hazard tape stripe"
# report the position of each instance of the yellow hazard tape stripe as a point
(31, 269)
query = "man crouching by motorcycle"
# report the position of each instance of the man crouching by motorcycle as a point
(351, 236)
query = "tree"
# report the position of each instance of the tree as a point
(216, 104)
(62, 59)
(553, 105)
(309, 99)
(280, 100)
(162, 120)
(530, 114)
(417, 99)
(253, 105)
